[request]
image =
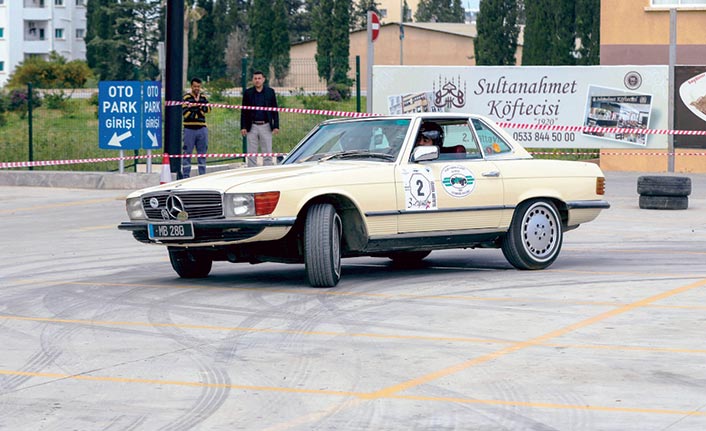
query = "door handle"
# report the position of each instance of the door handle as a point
(491, 174)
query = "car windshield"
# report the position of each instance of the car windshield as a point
(375, 139)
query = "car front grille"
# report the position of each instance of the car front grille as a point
(197, 205)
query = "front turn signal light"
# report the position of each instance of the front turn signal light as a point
(600, 186)
(265, 203)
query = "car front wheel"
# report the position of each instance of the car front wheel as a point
(322, 245)
(535, 235)
(190, 264)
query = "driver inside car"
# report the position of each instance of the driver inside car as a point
(430, 133)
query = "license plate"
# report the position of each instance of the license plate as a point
(171, 230)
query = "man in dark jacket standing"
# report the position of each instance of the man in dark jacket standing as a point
(258, 124)
(194, 108)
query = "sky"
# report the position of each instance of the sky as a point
(471, 4)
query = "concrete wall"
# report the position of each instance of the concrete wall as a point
(632, 32)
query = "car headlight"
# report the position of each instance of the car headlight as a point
(249, 204)
(133, 206)
(239, 205)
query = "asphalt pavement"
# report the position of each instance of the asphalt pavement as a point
(98, 332)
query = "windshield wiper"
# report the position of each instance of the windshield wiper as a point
(357, 153)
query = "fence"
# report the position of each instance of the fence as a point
(67, 128)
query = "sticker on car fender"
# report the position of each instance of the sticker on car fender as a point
(458, 181)
(419, 189)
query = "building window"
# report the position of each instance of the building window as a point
(59, 33)
(58, 2)
(2, 66)
(683, 3)
(80, 2)
(80, 33)
(2, 33)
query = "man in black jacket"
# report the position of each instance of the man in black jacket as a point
(259, 124)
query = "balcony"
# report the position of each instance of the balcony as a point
(36, 14)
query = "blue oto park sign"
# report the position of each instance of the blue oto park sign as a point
(130, 115)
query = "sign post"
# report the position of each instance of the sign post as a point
(129, 116)
(151, 118)
(373, 31)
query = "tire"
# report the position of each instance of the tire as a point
(664, 202)
(535, 235)
(323, 232)
(190, 264)
(654, 185)
(408, 257)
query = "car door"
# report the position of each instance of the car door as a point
(459, 191)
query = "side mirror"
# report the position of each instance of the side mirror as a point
(425, 153)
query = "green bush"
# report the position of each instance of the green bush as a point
(56, 100)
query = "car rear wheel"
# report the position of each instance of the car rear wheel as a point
(322, 245)
(535, 235)
(189, 264)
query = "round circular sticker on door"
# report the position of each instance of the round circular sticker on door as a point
(458, 181)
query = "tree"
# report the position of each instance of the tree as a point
(439, 11)
(108, 40)
(205, 48)
(53, 73)
(280, 42)
(260, 18)
(145, 39)
(497, 32)
(550, 33)
(121, 38)
(588, 25)
(340, 49)
(322, 23)
(359, 15)
(300, 16)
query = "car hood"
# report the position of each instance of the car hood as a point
(256, 179)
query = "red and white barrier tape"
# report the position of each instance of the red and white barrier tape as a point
(548, 127)
(10, 165)
(585, 129)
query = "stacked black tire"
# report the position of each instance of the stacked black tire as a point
(664, 192)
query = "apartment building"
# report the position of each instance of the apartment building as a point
(34, 28)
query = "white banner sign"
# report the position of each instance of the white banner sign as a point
(625, 97)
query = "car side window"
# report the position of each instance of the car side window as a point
(459, 142)
(490, 141)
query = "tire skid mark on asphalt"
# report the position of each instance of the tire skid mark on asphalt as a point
(430, 377)
(361, 396)
(386, 296)
(246, 330)
(216, 381)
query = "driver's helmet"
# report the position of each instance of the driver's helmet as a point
(433, 131)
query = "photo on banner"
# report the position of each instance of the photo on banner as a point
(411, 103)
(690, 105)
(615, 108)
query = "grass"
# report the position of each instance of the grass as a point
(71, 133)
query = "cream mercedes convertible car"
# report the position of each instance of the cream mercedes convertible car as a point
(391, 186)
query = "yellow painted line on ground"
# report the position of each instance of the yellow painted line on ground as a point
(395, 389)
(349, 394)
(59, 205)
